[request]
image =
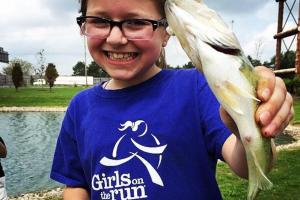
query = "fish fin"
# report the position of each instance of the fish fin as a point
(227, 99)
(248, 71)
(274, 155)
(170, 31)
(230, 86)
(215, 31)
(261, 181)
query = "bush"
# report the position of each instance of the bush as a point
(293, 85)
(289, 83)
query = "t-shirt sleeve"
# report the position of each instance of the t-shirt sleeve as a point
(215, 132)
(66, 166)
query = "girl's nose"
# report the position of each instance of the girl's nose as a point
(116, 37)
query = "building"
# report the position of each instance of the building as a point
(3, 56)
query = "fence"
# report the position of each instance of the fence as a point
(6, 81)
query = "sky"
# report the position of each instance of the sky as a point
(27, 27)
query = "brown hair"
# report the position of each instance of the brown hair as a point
(161, 62)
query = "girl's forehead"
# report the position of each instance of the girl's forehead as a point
(147, 8)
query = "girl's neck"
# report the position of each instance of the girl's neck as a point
(114, 84)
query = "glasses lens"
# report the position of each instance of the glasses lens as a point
(137, 29)
(96, 28)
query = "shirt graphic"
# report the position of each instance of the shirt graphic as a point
(114, 160)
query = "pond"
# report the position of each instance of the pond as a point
(30, 138)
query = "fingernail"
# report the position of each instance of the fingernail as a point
(270, 130)
(264, 118)
(266, 93)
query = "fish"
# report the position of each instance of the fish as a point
(215, 51)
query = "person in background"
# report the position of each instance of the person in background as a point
(3, 153)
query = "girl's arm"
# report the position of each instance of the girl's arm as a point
(71, 193)
(234, 154)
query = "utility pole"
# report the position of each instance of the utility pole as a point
(279, 30)
(297, 61)
(85, 66)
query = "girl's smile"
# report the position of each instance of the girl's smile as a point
(120, 57)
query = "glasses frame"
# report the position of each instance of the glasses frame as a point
(112, 23)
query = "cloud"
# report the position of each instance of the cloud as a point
(62, 6)
(244, 7)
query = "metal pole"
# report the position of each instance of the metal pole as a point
(279, 29)
(85, 67)
(297, 61)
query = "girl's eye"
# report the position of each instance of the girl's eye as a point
(98, 22)
(137, 22)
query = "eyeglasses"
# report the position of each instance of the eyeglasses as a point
(133, 29)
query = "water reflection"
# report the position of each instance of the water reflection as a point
(30, 138)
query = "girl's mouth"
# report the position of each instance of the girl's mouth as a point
(121, 56)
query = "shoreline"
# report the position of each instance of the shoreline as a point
(40, 195)
(33, 109)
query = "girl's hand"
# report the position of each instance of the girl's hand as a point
(276, 108)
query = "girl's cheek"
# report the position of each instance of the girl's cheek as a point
(93, 43)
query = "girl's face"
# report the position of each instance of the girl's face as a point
(128, 62)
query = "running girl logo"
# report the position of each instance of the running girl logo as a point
(122, 186)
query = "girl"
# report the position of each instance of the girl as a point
(149, 133)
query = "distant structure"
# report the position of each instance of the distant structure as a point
(283, 34)
(3, 56)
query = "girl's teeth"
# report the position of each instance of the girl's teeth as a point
(120, 56)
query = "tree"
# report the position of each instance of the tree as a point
(288, 60)
(258, 48)
(189, 65)
(254, 62)
(79, 69)
(31, 80)
(51, 74)
(41, 59)
(17, 75)
(93, 69)
(27, 67)
(103, 73)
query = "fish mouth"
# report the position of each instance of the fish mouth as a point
(225, 49)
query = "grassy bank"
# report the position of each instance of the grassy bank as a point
(37, 96)
(285, 177)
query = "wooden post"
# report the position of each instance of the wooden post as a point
(279, 29)
(297, 61)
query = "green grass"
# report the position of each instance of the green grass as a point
(285, 177)
(37, 96)
(297, 110)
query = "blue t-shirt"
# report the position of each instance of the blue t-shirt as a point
(158, 140)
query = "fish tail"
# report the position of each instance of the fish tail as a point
(257, 179)
(261, 183)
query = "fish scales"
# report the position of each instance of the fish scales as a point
(215, 51)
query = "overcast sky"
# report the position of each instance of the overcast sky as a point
(28, 26)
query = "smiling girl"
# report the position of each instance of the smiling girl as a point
(149, 133)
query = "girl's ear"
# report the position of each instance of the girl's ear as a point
(165, 39)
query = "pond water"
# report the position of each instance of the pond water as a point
(30, 138)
